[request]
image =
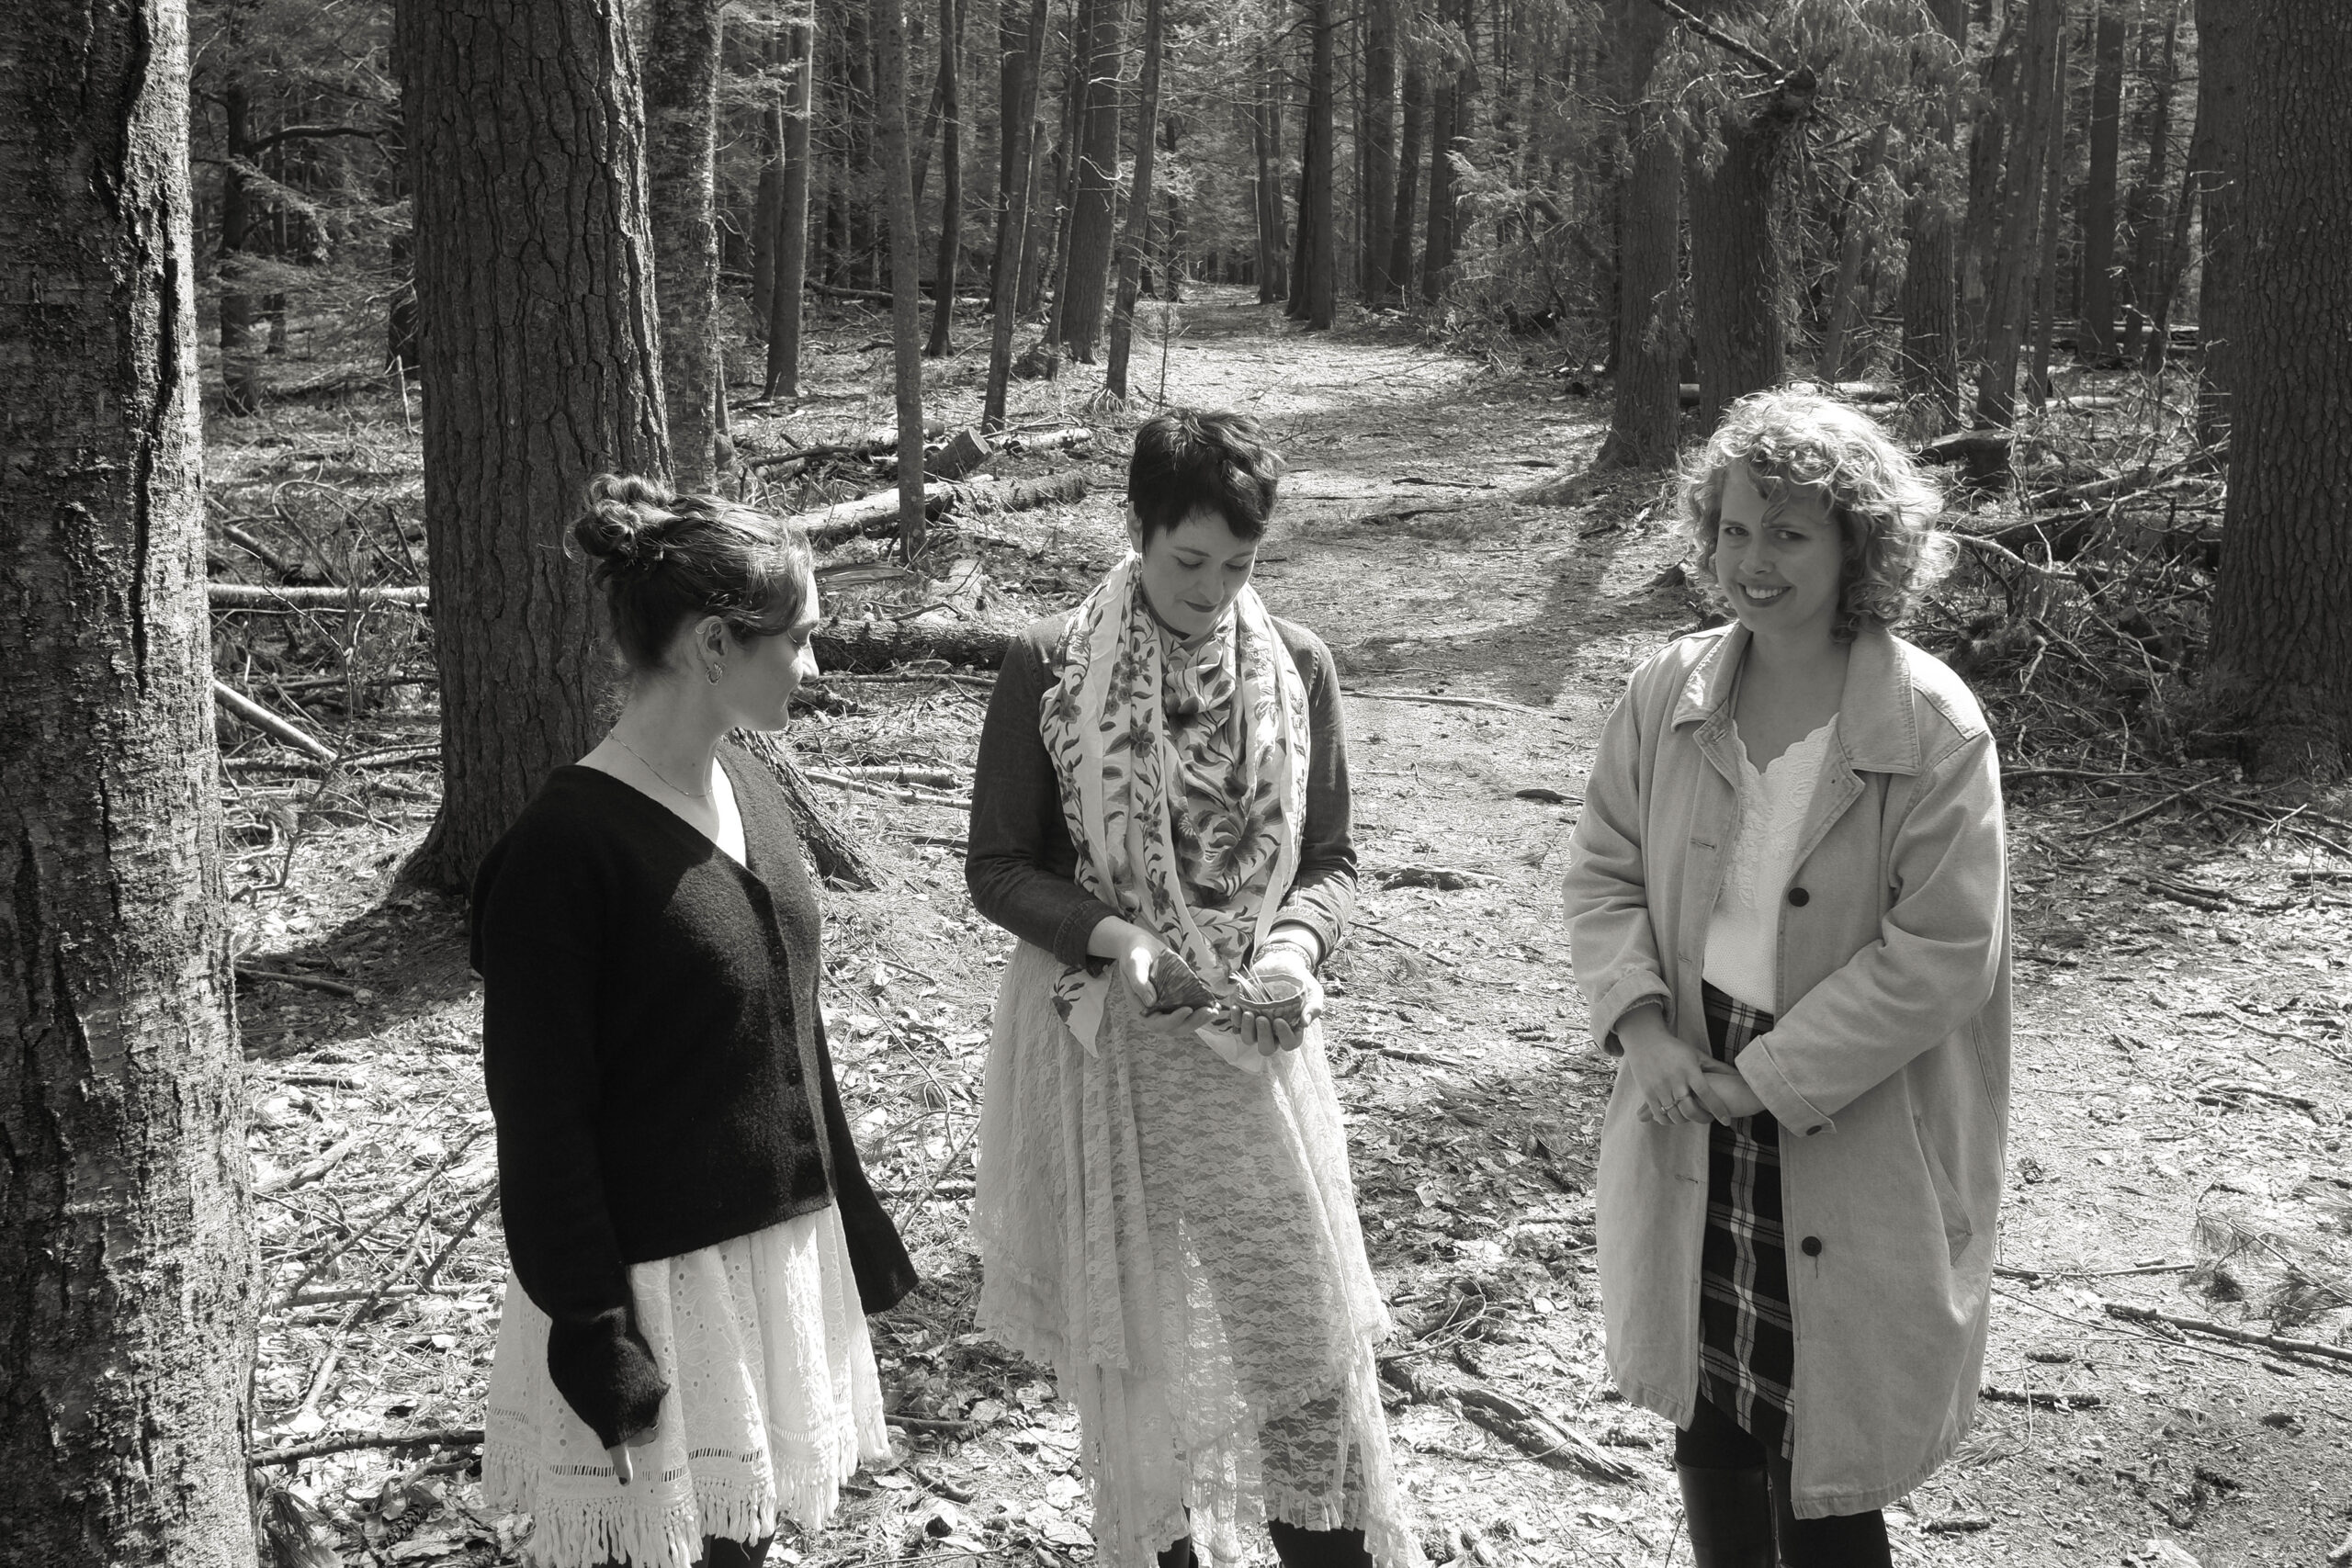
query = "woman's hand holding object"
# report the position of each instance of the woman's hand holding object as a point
(1133, 964)
(1267, 1034)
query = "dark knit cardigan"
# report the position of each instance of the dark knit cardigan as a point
(656, 1062)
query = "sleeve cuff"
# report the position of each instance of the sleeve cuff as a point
(606, 1371)
(1078, 925)
(1630, 992)
(1792, 1111)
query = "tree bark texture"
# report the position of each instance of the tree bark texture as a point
(950, 195)
(2045, 244)
(1929, 363)
(1408, 173)
(2099, 183)
(791, 275)
(1315, 292)
(535, 281)
(2222, 91)
(1013, 226)
(2147, 205)
(1736, 274)
(890, 23)
(1437, 249)
(1092, 208)
(1645, 414)
(680, 130)
(1853, 248)
(240, 377)
(1266, 140)
(1379, 195)
(2009, 273)
(2281, 662)
(1987, 149)
(1138, 225)
(126, 1278)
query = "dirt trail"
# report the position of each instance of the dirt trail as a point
(1473, 1091)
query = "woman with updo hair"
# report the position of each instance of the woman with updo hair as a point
(682, 1359)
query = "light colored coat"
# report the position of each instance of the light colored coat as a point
(1887, 1067)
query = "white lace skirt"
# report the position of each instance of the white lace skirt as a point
(774, 1402)
(1178, 1240)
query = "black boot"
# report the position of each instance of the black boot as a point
(1317, 1549)
(719, 1551)
(1837, 1540)
(1730, 1512)
(1178, 1555)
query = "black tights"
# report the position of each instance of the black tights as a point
(1714, 1443)
(719, 1551)
(1297, 1549)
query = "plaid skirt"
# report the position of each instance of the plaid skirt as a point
(1746, 1349)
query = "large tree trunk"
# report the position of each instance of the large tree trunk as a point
(784, 307)
(1139, 226)
(681, 129)
(1266, 141)
(1408, 173)
(534, 291)
(1643, 414)
(2009, 272)
(240, 377)
(126, 1251)
(1736, 280)
(905, 262)
(2045, 247)
(951, 196)
(1379, 195)
(1930, 369)
(2098, 184)
(2220, 118)
(1313, 293)
(2281, 665)
(1092, 209)
(2148, 207)
(1437, 250)
(1853, 248)
(1012, 228)
(1989, 143)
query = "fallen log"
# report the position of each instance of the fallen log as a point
(266, 596)
(881, 439)
(865, 646)
(878, 512)
(837, 856)
(268, 723)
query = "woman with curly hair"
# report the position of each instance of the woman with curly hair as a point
(1788, 910)
(682, 1359)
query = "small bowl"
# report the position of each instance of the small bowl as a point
(1277, 997)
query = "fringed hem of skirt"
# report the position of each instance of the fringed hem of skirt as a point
(589, 1531)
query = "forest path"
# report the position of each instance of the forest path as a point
(2162, 1046)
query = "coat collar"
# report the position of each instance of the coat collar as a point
(1878, 726)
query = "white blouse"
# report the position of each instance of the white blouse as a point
(1744, 932)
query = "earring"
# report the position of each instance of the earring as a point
(713, 672)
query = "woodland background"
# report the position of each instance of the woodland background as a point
(319, 314)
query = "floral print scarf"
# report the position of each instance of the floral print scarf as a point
(1183, 783)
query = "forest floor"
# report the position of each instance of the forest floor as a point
(2181, 1045)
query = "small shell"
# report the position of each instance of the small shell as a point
(1174, 985)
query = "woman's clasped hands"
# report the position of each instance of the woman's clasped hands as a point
(1678, 1083)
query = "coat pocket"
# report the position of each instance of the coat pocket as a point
(1958, 1232)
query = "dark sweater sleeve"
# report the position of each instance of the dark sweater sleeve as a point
(1324, 895)
(536, 911)
(1019, 858)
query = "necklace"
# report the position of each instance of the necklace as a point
(690, 795)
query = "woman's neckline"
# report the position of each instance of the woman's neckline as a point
(691, 833)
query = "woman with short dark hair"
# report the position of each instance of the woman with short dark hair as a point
(682, 1359)
(1165, 1215)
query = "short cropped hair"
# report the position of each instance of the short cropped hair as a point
(1187, 460)
(1792, 442)
(664, 559)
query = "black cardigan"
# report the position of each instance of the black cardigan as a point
(650, 1034)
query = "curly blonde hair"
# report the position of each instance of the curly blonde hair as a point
(1794, 442)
